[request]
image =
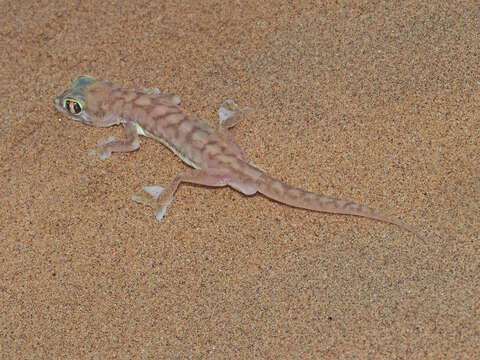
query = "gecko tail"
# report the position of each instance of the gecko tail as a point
(292, 196)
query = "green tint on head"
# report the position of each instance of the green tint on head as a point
(82, 81)
(74, 100)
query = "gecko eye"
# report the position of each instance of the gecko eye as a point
(73, 107)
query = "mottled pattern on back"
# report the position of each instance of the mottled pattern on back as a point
(216, 159)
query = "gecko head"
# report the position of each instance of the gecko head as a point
(73, 102)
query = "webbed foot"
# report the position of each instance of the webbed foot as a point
(149, 196)
(229, 114)
(103, 149)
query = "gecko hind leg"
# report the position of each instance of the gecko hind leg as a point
(159, 198)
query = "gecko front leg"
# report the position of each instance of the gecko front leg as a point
(229, 115)
(171, 97)
(131, 143)
(159, 198)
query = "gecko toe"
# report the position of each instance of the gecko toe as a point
(105, 155)
(224, 114)
(176, 100)
(153, 191)
(160, 214)
(229, 113)
(103, 151)
(148, 196)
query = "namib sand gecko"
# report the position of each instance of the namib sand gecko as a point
(216, 159)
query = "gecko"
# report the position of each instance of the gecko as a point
(214, 157)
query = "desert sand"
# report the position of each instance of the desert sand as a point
(376, 102)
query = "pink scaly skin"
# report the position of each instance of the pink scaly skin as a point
(216, 159)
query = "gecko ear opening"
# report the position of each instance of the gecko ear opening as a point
(82, 81)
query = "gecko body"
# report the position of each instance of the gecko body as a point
(213, 155)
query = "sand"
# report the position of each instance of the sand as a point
(376, 102)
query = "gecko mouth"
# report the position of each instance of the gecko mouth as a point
(58, 106)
